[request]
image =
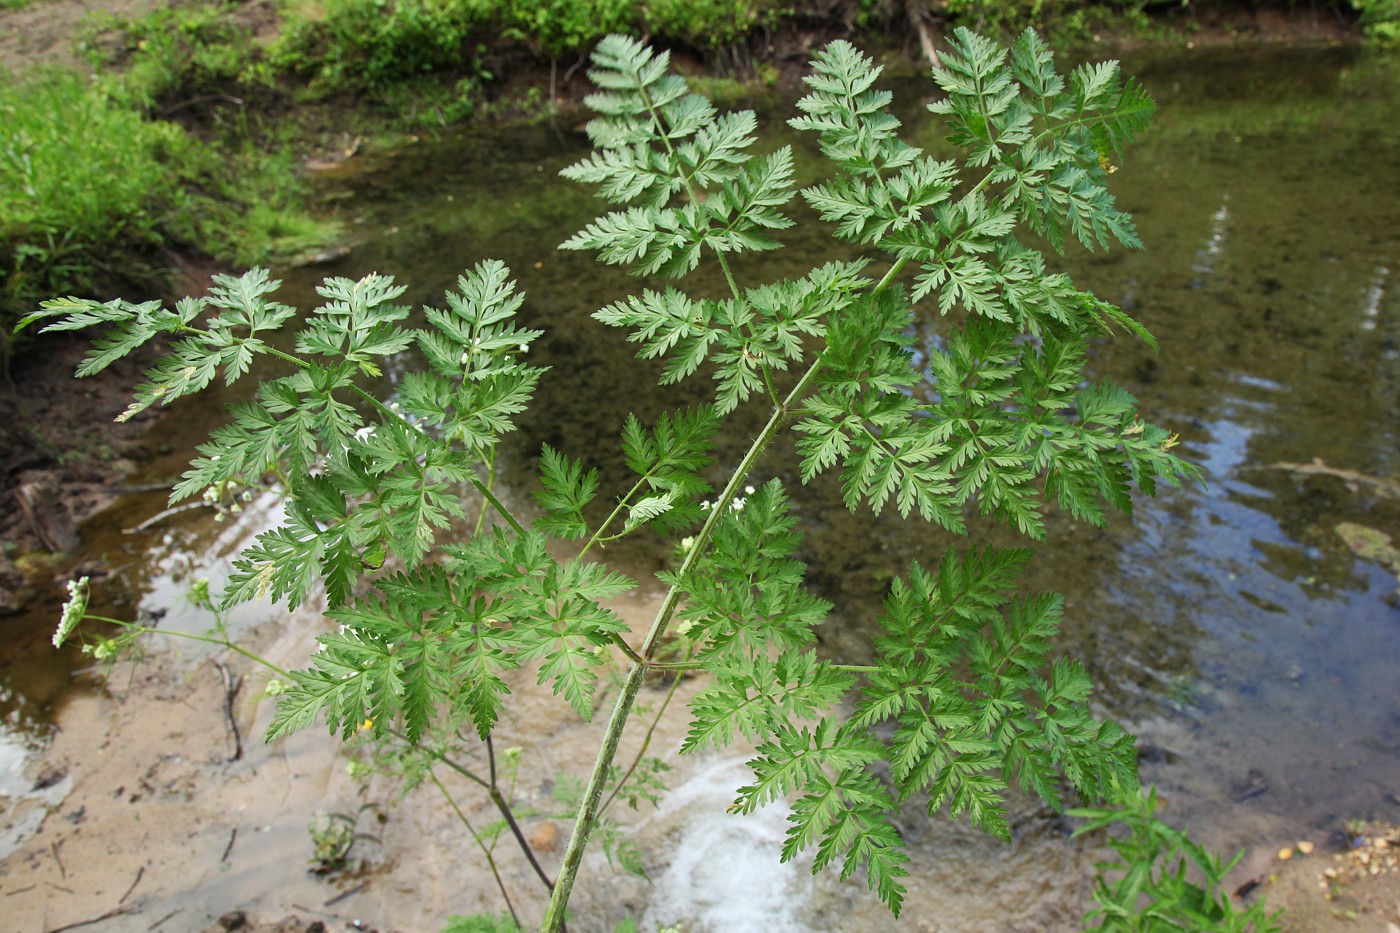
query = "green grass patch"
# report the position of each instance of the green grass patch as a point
(92, 190)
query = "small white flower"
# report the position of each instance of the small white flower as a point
(73, 610)
(706, 505)
(737, 505)
(524, 348)
(748, 490)
(687, 543)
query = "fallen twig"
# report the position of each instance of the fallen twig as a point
(233, 834)
(232, 684)
(163, 515)
(1388, 488)
(114, 912)
(165, 918)
(344, 895)
(63, 872)
(134, 882)
(138, 488)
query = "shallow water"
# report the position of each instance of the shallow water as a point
(1231, 626)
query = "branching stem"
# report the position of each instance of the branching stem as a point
(485, 850)
(593, 795)
(207, 639)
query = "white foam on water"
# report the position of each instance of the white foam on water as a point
(724, 874)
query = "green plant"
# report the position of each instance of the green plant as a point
(1157, 890)
(965, 697)
(713, 23)
(333, 838)
(201, 51)
(1380, 19)
(79, 176)
(373, 44)
(561, 27)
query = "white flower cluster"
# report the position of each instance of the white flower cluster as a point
(73, 610)
(737, 505)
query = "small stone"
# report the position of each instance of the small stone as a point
(1305, 847)
(545, 837)
(1285, 854)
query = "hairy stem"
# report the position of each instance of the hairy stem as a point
(622, 709)
(646, 743)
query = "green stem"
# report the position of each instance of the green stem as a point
(617, 510)
(622, 709)
(221, 642)
(646, 743)
(687, 180)
(490, 461)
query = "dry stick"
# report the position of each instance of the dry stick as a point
(63, 872)
(232, 835)
(114, 912)
(1383, 487)
(138, 489)
(165, 918)
(135, 881)
(232, 684)
(345, 895)
(162, 516)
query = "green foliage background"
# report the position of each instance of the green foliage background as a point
(97, 175)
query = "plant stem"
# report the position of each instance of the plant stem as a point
(500, 802)
(222, 642)
(646, 743)
(490, 859)
(593, 795)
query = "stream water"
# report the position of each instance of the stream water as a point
(1236, 627)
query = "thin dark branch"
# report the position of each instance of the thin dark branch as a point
(226, 98)
(115, 912)
(232, 684)
(232, 835)
(140, 872)
(346, 895)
